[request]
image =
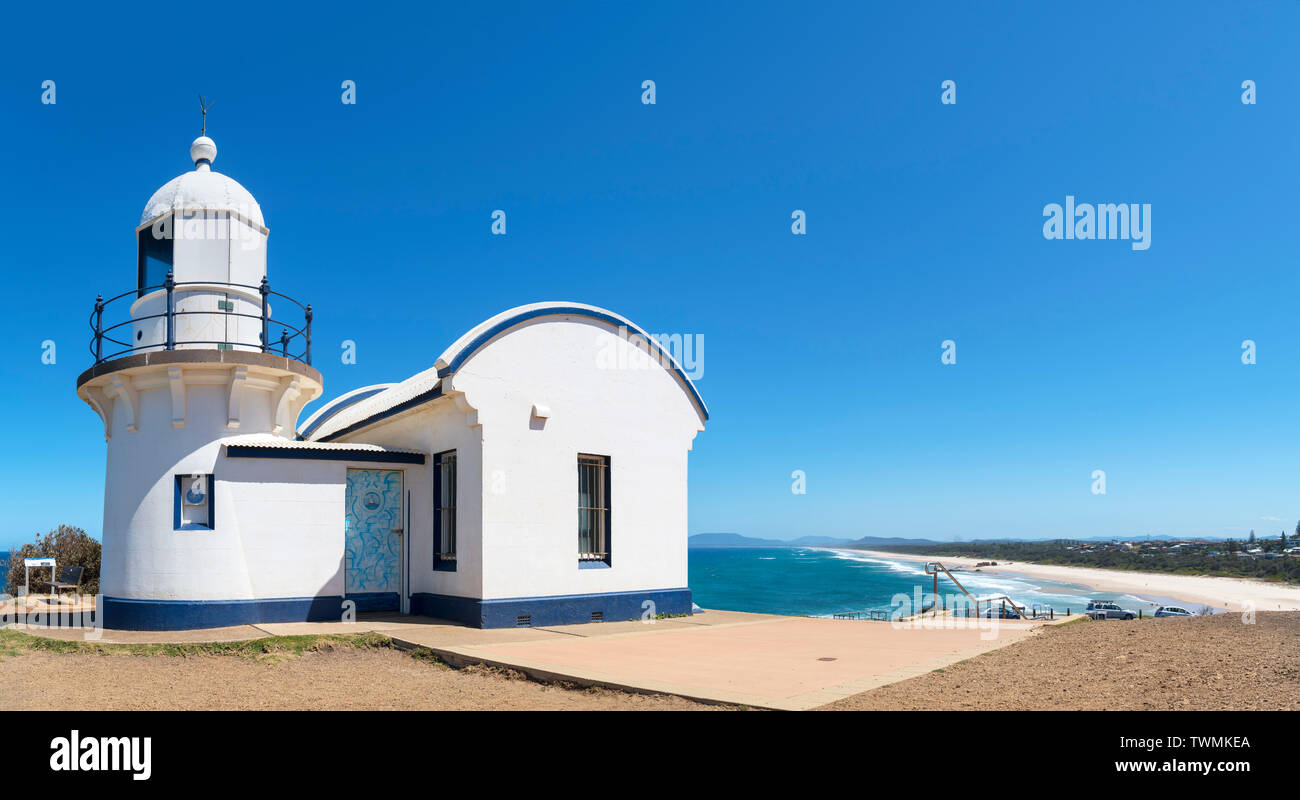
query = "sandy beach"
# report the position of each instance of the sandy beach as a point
(1235, 594)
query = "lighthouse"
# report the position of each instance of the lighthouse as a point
(201, 349)
(533, 473)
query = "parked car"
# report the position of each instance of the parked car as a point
(996, 611)
(1173, 611)
(1101, 609)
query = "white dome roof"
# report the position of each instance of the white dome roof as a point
(203, 189)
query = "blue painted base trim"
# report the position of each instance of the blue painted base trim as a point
(464, 610)
(179, 615)
(553, 610)
(375, 601)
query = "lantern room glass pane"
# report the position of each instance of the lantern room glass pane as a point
(156, 254)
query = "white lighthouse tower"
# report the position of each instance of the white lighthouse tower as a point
(199, 351)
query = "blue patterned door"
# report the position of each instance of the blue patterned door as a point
(373, 551)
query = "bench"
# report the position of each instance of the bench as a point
(69, 578)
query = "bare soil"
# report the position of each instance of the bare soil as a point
(332, 678)
(1203, 663)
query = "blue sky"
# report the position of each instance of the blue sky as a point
(822, 352)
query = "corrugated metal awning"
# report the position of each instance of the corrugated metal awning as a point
(267, 446)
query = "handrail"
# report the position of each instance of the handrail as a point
(873, 614)
(1006, 601)
(170, 285)
(934, 568)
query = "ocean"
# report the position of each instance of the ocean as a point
(816, 582)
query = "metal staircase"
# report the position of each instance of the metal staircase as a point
(933, 568)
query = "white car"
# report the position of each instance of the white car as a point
(1173, 611)
(1101, 609)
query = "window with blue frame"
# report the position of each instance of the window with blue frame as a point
(156, 253)
(444, 510)
(194, 508)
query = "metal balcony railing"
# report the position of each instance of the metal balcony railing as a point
(291, 336)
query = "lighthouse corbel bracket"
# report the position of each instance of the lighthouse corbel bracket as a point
(115, 389)
(200, 357)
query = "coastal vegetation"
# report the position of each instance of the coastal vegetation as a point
(267, 648)
(1260, 559)
(68, 546)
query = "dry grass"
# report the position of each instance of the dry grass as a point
(354, 672)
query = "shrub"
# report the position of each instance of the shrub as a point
(68, 546)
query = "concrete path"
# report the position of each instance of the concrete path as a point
(757, 660)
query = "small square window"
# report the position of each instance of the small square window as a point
(194, 503)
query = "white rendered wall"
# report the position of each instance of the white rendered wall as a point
(523, 541)
(218, 246)
(211, 247)
(639, 416)
(279, 524)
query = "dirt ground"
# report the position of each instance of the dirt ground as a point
(1205, 663)
(339, 678)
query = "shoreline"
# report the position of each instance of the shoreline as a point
(1233, 594)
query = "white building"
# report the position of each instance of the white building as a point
(535, 474)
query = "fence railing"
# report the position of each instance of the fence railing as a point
(870, 614)
(294, 341)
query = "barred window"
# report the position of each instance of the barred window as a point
(593, 508)
(444, 510)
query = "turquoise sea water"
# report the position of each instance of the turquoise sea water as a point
(823, 582)
(790, 580)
